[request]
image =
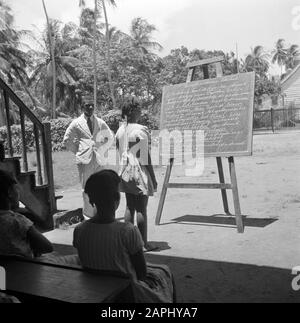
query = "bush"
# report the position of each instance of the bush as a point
(149, 121)
(17, 137)
(58, 128)
(113, 119)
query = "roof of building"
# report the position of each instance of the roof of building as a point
(287, 77)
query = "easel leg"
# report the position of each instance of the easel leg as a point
(235, 193)
(164, 192)
(222, 181)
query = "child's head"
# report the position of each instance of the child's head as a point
(102, 189)
(131, 110)
(9, 194)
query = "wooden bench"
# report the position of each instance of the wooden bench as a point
(39, 282)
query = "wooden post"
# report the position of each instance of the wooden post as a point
(191, 75)
(48, 166)
(164, 192)
(9, 138)
(272, 119)
(222, 181)
(38, 154)
(24, 148)
(205, 72)
(219, 69)
(2, 151)
(235, 194)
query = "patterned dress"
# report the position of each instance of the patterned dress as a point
(129, 134)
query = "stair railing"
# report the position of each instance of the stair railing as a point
(42, 139)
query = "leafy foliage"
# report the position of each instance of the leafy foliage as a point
(125, 64)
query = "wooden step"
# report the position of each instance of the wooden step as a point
(31, 175)
(12, 158)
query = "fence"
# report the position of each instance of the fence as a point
(276, 119)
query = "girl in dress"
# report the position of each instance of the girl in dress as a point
(138, 180)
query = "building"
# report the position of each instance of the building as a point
(290, 86)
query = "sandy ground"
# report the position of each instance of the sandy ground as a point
(211, 262)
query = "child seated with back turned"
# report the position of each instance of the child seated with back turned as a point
(18, 236)
(107, 245)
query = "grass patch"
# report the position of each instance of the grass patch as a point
(65, 170)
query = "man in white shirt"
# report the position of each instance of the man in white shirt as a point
(84, 137)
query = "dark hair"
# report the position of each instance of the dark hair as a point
(131, 108)
(102, 189)
(7, 181)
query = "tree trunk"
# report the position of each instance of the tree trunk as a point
(51, 42)
(95, 55)
(108, 57)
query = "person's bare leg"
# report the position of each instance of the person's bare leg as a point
(141, 219)
(142, 222)
(130, 211)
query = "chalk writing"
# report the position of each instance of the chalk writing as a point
(222, 107)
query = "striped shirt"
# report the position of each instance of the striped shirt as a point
(108, 246)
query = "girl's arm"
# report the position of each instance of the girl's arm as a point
(139, 263)
(150, 169)
(147, 164)
(39, 244)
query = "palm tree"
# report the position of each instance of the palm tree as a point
(280, 54)
(257, 61)
(12, 60)
(94, 45)
(292, 53)
(5, 15)
(108, 44)
(65, 64)
(97, 5)
(52, 46)
(141, 34)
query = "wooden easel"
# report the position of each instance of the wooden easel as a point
(222, 185)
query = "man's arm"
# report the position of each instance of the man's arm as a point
(70, 138)
(150, 169)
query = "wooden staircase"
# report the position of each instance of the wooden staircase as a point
(37, 192)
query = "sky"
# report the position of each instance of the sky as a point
(202, 24)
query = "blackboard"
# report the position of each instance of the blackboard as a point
(221, 107)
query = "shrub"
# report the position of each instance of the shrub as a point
(17, 137)
(113, 119)
(58, 128)
(149, 121)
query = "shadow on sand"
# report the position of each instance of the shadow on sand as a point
(221, 220)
